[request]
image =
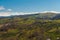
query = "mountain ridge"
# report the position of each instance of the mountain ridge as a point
(46, 15)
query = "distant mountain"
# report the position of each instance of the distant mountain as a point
(47, 15)
(57, 16)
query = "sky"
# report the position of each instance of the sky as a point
(28, 6)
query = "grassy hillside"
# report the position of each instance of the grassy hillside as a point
(29, 29)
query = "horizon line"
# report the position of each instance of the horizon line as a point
(24, 13)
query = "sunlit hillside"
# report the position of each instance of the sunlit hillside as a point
(29, 27)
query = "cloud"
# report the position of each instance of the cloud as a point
(50, 12)
(21, 13)
(9, 9)
(2, 8)
(5, 13)
(12, 13)
(9, 13)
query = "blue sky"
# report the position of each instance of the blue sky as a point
(29, 5)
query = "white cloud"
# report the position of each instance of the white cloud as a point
(9, 13)
(2, 8)
(14, 13)
(5, 13)
(21, 13)
(9, 9)
(50, 12)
